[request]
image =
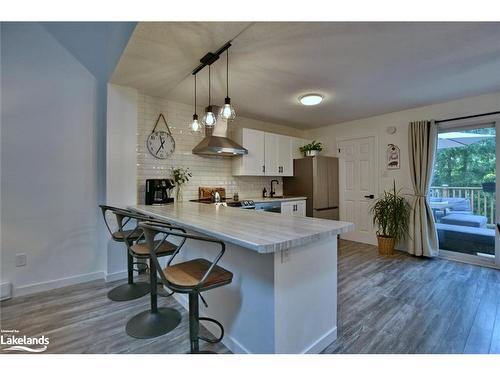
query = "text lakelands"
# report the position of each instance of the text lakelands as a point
(23, 340)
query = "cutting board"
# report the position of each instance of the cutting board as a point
(206, 192)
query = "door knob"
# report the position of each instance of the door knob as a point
(371, 196)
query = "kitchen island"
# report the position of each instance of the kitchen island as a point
(283, 298)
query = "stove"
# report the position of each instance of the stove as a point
(248, 204)
(245, 203)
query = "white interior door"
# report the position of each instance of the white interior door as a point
(357, 173)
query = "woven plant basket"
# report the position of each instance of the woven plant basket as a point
(386, 245)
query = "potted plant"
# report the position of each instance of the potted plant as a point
(391, 214)
(180, 177)
(311, 149)
(488, 183)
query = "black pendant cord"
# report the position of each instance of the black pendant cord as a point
(467, 117)
(195, 94)
(209, 87)
(227, 73)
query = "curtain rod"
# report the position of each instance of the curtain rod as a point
(466, 117)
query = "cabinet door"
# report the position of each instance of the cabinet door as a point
(285, 155)
(294, 208)
(271, 153)
(300, 208)
(287, 208)
(253, 163)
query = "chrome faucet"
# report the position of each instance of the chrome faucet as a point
(272, 193)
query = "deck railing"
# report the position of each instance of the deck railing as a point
(481, 203)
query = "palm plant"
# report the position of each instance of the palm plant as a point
(391, 214)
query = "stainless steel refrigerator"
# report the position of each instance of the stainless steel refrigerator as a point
(317, 178)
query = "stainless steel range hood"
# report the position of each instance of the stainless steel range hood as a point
(216, 142)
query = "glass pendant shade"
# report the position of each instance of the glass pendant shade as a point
(195, 126)
(209, 118)
(227, 110)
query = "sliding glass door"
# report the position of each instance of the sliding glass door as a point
(463, 193)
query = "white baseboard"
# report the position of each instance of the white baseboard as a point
(115, 276)
(54, 284)
(319, 345)
(230, 343)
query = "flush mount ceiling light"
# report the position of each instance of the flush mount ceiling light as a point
(311, 99)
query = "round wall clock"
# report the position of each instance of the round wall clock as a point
(160, 143)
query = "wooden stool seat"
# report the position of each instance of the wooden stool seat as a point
(142, 249)
(121, 235)
(189, 274)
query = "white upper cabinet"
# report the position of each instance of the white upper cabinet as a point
(284, 145)
(253, 163)
(269, 154)
(272, 154)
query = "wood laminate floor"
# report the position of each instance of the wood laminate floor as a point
(407, 304)
(399, 304)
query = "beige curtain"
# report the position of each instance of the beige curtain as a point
(422, 141)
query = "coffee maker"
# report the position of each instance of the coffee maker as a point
(158, 191)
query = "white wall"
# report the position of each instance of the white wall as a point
(121, 160)
(378, 125)
(53, 162)
(48, 174)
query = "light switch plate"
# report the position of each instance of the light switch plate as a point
(21, 260)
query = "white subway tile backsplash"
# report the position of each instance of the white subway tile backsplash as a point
(207, 171)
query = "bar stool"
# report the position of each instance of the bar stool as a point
(156, 321)
(132, 290)
(191, 277)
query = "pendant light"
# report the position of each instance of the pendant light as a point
(195, 125)
(209, 118)
(227, 110)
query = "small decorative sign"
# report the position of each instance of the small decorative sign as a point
(393, 156)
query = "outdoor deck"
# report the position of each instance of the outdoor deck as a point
(465, 219)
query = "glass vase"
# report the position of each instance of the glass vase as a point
(178, 193)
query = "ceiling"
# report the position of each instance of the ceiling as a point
(362, 69)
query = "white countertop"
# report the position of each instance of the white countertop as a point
(264, 232)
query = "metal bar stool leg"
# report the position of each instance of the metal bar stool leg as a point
(131, 290)
(194, 323)
(155, 321)
(194, 326)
